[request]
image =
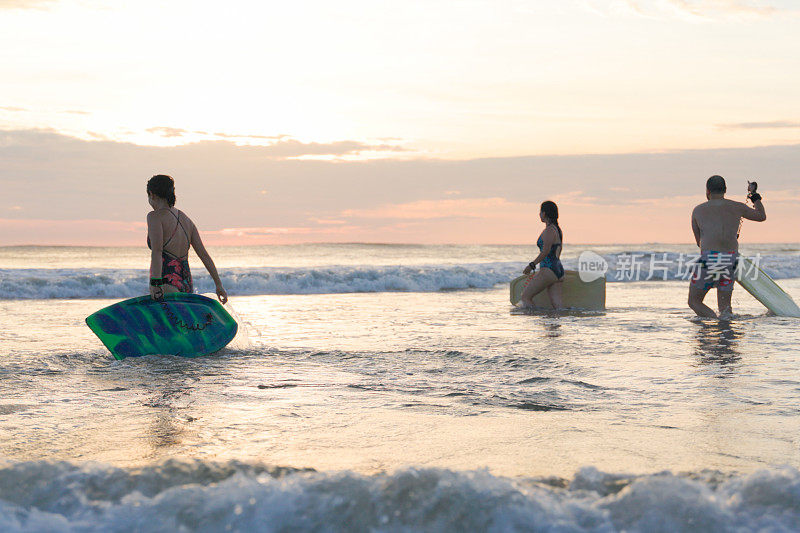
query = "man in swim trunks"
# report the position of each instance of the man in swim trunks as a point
(716, 230)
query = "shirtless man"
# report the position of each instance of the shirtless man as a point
(716, 230)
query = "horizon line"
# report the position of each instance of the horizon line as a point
(364, 243)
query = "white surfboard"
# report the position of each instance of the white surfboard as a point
(765, 290)
(575, 293)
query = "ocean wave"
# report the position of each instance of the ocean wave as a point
(109, 283)
(126, 283)
(233, 496)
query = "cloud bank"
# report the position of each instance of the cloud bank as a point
(26, 4)
(692, 9)
(282, 146)
(775, 124)
(253, 194)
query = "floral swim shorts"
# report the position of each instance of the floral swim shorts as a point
(715, 269)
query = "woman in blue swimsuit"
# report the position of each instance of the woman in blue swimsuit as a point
(169, 260)
(551, 271)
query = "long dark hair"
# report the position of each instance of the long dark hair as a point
(550, 210)
(162, 186)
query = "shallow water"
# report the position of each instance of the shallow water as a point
(375, 389)
(447, 379)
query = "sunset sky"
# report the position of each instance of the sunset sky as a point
(395, 121)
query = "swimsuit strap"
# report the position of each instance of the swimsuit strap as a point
(540, 244)
(174, 230)
(554, 247)
(184, 229)
(178, 219)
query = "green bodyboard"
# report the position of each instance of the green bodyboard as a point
(188, 325)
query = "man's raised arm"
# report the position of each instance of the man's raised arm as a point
(758, 214)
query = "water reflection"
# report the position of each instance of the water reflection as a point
(158, 395)
(168, 421)
(717, 343)
(551, 329)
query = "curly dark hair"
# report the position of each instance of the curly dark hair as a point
(162, 186)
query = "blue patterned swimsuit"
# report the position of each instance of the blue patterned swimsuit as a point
(551, 260)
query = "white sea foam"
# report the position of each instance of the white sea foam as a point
(126, 283)
(205, 496)
(78, 283)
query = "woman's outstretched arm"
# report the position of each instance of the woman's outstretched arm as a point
(202, 253)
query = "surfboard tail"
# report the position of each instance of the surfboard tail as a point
(764, 289)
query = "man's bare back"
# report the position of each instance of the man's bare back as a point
(716, 224)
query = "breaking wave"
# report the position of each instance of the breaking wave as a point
(45, 283)
(208, 496)
(79, 283)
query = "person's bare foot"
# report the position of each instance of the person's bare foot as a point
(726, 314)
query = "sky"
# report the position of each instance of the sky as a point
(395, 121)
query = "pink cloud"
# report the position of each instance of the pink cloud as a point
(464, 207)
(328, 221)
(280, 234)
(433, 209)
(583, 218)
(261, 231)
(87, 232)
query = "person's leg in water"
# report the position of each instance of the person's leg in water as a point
(724, 301)
(554, 293)
(696, 296)
(725, 286)
(541, 281)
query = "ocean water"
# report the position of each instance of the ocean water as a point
(394, 388)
